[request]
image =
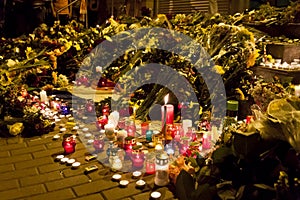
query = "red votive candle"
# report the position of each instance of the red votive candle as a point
(69, 144)
(144, 127)
(137, 158)
(98, 143)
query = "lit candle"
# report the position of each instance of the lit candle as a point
(150, 163)
(297, 90)
(206, 140)
(105, 110)
(43, 96)
(98, 143)
(69, 145)
(137, 158)
(167, 112)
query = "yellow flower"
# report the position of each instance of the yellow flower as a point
(16, 128)
(5, 79)
(252, 58)
(54, 76)
(219, 69)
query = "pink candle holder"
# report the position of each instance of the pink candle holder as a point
(89, 106)
(150, 163)
(98, 143)
(69, 144)
(130, 128)
(121, 123)
(178, 131)
(184, 145)
(206, 141)
(137, 158)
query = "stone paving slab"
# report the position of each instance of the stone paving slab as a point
(28, 170)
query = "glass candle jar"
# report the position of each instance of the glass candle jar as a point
(137, 158)
(64, 109)
(101, 122)
(98, 143)
(161, 169)
(121, 123)
(232, 109)
(144, 127)
(114, 160)
(110, 132)
(89, 106)
(105, 110)
(184, 145)
(149, 134)
(178, 131)
(206, 140)
(69, 143)
(129, 143)
(130, 127)
(169, 149)
(150, 163)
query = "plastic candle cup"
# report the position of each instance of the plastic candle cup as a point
(140, 184)
(64, 160)
(75, 165)
(155, 195)
(71, 161)
(116, 177)
(59, 157)
(136, 174)
(124, 183)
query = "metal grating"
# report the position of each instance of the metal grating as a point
(188, 6)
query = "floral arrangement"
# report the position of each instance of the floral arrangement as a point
(243, 164)
(268, 14)
(264, 92)
(53, 55)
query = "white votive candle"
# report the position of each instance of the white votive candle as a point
(136, 174)
(155, 195)
(297, 90)
(116, 177)
(76, 165)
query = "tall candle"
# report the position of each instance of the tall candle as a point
(43, 96)
(167, 112)
(297, 90)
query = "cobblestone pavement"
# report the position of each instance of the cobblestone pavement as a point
(29, 171)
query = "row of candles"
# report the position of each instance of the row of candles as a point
(295, 65)
(176, 138)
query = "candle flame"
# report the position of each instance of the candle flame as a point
(166, 99)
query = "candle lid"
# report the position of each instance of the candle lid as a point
(162, 159)
(232, 105)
